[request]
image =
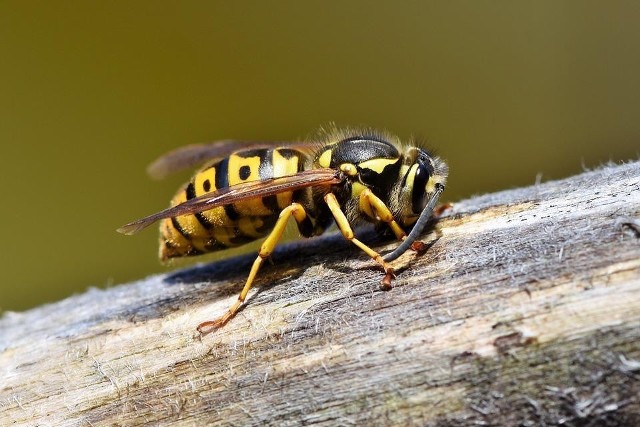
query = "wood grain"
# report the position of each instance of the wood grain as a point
(525, 310)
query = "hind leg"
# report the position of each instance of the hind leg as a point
(297, 211)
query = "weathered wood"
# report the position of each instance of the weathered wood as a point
(526, 310)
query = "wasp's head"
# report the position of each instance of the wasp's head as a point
(420, 176)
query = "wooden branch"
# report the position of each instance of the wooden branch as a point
(525, 310)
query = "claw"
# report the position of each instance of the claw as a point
(419, 247)
(385, 283)
(209, 326)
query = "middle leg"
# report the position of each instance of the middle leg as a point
(347, 232)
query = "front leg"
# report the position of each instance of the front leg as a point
(377, 210)
(347, 232)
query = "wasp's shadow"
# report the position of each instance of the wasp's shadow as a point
(299, 253)
(294, 257)
(291, 260)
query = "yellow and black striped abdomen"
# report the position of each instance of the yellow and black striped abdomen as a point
(237, 223)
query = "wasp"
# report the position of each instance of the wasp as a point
(250, 190)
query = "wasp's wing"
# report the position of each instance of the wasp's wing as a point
(194, 155)
(238, 193)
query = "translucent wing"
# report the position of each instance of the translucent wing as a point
(238, 193)
(194, 155)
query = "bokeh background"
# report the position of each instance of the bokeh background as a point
(90, 92)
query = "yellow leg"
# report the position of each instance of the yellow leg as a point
(347, 232)
(297, 211)
(377, 210)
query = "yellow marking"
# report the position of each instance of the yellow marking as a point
(249, 207)
(253, 207)
(217, 217)
(236, 163)
(325, 158)
(199, 236)
(190, 223)
(377, 165)
(283, 167)
(411, 176)
(179, 245)
(194, 229)
(201, 177)
(403, 170)
(431, 185)
(406, 215)
(356, 189)
(284, 199)
(349, 169)
(191, 226)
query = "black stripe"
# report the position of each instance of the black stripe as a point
(306, 227)
(299, 194)
(239, 238)
(271, 203)
(178, 227)
(266, 172)
(267, 224)
(256, 152)
(214, 245)
(359, 149)
(222, 181)
(194, 251)
(203, 220)
(222, 174)
(288, 153)
(190, 191)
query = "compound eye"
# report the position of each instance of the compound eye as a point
(419, 196)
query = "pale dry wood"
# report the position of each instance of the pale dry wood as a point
(526, 310)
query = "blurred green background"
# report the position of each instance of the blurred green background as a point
(90, 92)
